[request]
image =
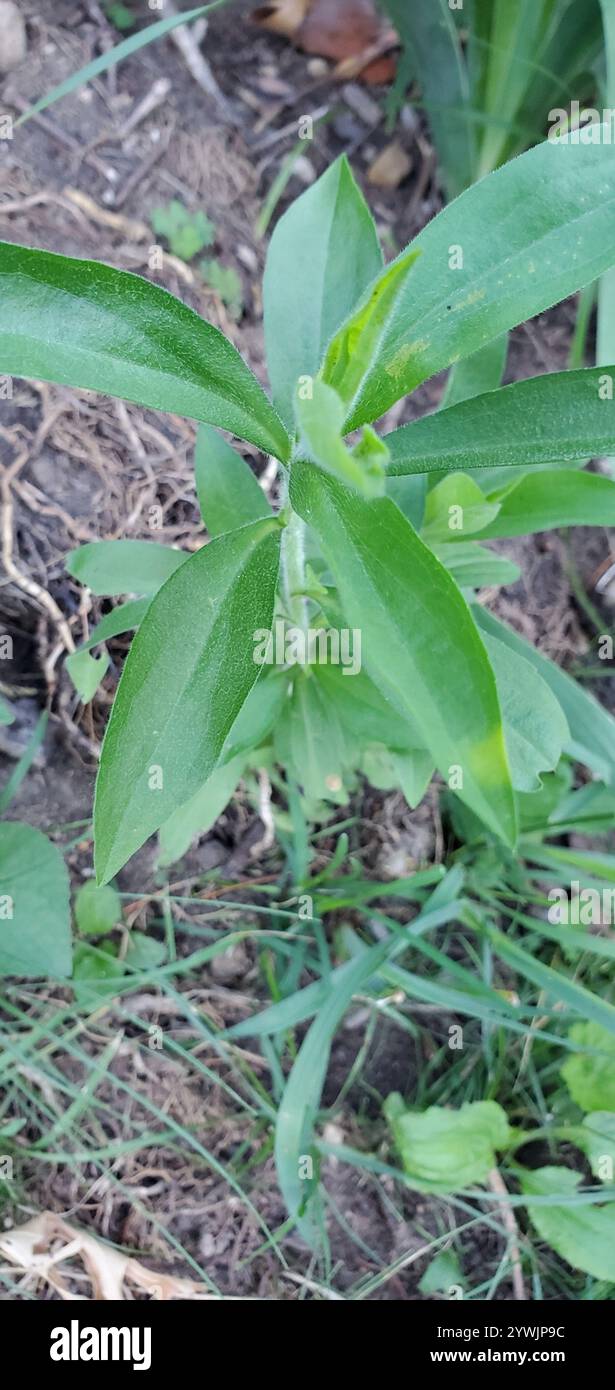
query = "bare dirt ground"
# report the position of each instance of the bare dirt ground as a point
(83, 179)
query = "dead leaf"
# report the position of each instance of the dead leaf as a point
(46, 1242)
(351, 32)
(391, 167)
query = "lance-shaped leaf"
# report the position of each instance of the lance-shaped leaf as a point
(124, 567)
(84, 324)
(229, 494)
(188, 673)
(323, 253)
(534, 724)
(592, 728)
(516, 242)
(543, 501)
(420, 644)
(563, 416)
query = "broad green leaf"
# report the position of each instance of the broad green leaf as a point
(597, 1140)
(228, 492)
(564, 415)
(605, 326)
(35, 935)
(200, 813)
(582, 1235)
(592, 728)
(323, 253)
(258, 716)
(542, 501)
(188, 673)
(123, 618)
(86, 673)
(522, 239)
(443, 1273)
(97, 910)
(311, 740)
(320, 415)
(456, 508)
(447, 1150)
(535, 727)
(476, 566)
(365, 713)
(419, 641)
(124, 567)
(590, 1078)
(84, 324)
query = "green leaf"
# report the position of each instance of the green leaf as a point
(546, 419)
(86, 673)
(124, 618)
(592, 728)
(188, 673)
(555, 984)
(597, 1140)
(299, 1104)
(96, 972)
(456, 508)
(226, 283)
(228, 492)
(443, 1273)
(428, 30)
(97, 910)
(311, 739)
(543, 501)
(590, 1078)
(419, 642)
(84, 324)
(6, 713)
(200, 813)
(582, 1235)
(535, 727)
(124, 567)
(323, 253)
(258, 716)
(320, 415)
(475, 566)
(472, 376)
(353, 348)
(447, 1150)
(529, 234)
(34, 905)
(186, 232)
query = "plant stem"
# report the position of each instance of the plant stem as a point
(293, 569)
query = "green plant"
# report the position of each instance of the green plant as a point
(35, 934)
(448, 1150)
(445, 686)
(491, 72)
(186, 232)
